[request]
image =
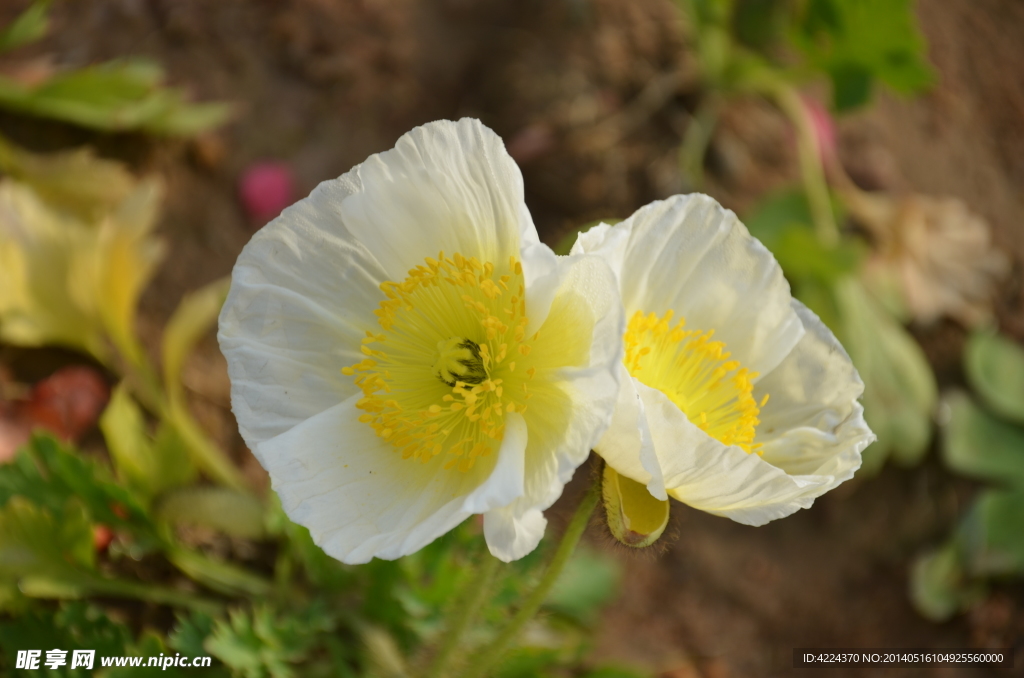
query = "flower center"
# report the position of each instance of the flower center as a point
(441, 376)
(696, 374)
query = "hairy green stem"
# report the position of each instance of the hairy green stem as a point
(486, 658)
(464, 614)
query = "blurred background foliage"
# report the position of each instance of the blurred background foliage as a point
(129, 527)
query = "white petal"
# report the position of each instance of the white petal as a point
(355, 493)
(302, 296)
(445, 186)
(510, 536)
(627, 445)
(720, 479)
(505, 483)
(557, 447)
(692, 256)
(812, 423)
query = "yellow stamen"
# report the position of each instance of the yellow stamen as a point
(443, 387)
(696, 374)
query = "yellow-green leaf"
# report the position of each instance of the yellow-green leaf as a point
(230, 511)
(194, 317)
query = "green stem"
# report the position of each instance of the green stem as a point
(485, 659)
(153, 594)
(811, 169)
(696, 140)
(464, 614)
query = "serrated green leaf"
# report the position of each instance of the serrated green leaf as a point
(36, 543)
(978, 445)
(48, 474)
(30, 25)
(236, 513)
(995, 368)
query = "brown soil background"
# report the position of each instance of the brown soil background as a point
(322, 84)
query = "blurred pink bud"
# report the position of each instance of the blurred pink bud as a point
(265, 189)
(824, 128)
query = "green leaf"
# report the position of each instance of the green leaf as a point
(588, 582)
(236, 513)
(977, 444)
(263, 643)
(150, 465)
(116, 96)
(36, 545)
(939, 587)
(991, 533)
(995, 368)
(899, 386)
(616, 672)
(193, 318)
(47, 474)
(220, 576)
(859, 41)
(30, 25)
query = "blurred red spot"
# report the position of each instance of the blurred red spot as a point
(824, 128)
(67, 404)
(102, 535)
(265, 189)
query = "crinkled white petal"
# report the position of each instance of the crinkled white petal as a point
(355, 493)
(721, 479)
(556, 448)
(812, 423)
(627, 445)
(690, 255)
(444, 186)
(304, 289)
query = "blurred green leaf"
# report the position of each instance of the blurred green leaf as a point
(899, 386)
(589, 581)
(222, 576)
(261, 643)
(76, 181)
(995, 368)
(116, 96)
(151, 466)
(858, 41)
(529, 662)
(939, 587)
(75, 625)
(229, 511)
(977, 444)
(36, 546)
(48, 474)
(193, 318)
(616, 672)
(30, 25)
(992, 533)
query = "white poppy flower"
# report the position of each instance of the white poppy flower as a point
(741, 402)
(404, 352)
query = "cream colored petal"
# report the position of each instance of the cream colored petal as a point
(812, 423)
(355, 493)
(302, 297)
(505, 483)
(566, 417)
(689, 255)
(447, 186)
(720, 479)
(626, 446)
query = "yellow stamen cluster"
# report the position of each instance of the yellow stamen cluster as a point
(442, 375)
(696, 374)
